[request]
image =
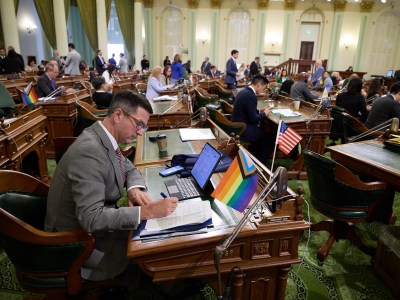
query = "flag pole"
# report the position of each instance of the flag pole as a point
(276, 144)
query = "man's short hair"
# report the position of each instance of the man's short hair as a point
(212, 67)
(71, 45)
(49, 67)
(395, 88)
(98, 51)
(257, 58)
(303, 76)
(234, 51)
(259, 79)
(129, 101)
(98, 82)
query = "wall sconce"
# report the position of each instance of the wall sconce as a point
(348, 42)
(203, 41)
(274, 40)
(30, 28)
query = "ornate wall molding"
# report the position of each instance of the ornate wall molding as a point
(140, 1)
(148, 3)
(216, 3)
(366, 5)
(262, 4)
(290, 4)
(193, 4)
(339, 5)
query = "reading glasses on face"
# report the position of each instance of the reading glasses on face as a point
(139, 124)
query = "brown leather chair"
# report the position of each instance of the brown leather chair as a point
(223, 93)
(88, 114)
(141, 88)
(203, 97)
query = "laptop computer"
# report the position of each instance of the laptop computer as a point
(197, 184)
(389, 73)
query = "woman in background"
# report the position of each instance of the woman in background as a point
(166, 75)
(375, 89)
(110, 75)
(154, 86)
(31, 67)
(176, 67)
(282, 77)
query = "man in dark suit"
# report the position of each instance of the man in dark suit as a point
(205, 66)
(91, 177)
(245, 110)
(2, 56)
(255, 67)
(213, 72)
(46, 83)
(145, 63)
(232, 70)
(101, 64)
(385, 108)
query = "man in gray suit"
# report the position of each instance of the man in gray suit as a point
(72, 61)
(90, 179)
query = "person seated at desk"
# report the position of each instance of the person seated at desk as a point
(327, 80)
(110, 75)
(245, 110)
(213, 72)
(46, 84)
(91, 177)
(154, 86)
(102, 96)
(385, 108)
(336, 79)
(31, 67)
(166, 75)
(300, 89)
(353, 101)
(282, 77)
(375, 89)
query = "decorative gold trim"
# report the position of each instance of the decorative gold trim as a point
(339, 5)
(290, 4)
(216, 3)
(262, 4)
(193, 4)
(140, 1)
(148, 3)
(366, 6)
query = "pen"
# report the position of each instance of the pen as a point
(163, 195)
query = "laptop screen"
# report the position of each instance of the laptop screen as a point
(205, 165)
(389, 73)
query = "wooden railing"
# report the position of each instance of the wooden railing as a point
(296, 66)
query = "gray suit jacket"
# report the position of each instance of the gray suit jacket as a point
(123, 65)
(84, 190)
(72, 63)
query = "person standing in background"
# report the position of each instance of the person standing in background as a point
(318, 73)
(72, 61)
(205, 65)
(101, 64)
(177, 70)
(112, 60)
(232, 70)
(145, 63)
(123, 64)
(255, 67)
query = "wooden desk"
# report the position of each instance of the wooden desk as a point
(346, 74)
(369, 158)
(264, 251)
(23, 140)
(177, 113)
(313, 130)
(124, 84)
(61, 117)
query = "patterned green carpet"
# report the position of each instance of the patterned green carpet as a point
(346, 274)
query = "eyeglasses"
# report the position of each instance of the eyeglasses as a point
(139, 124)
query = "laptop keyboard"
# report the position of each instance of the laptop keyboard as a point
(186, 187)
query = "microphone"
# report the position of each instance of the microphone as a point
(372, 98)
(394, 126)
(228, 287)
(203, 114)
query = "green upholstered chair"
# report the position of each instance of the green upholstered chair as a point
(45, 262)
(7, 103)
(88, 114)
(342, 197)
(353, 127)
(222, 92)
(203, 97)
(237, 128)
(337, 130)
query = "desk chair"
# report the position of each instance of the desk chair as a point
(141, 88)
(237, 128)
(203, 97)
(61, 145)
(227, 108)
(223, 93)
(340, 195)
(87, 115)
(54, 261)
(337, 129)
(7, 104)
(353, 127)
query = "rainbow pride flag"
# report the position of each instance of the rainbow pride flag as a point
(325, 94)
(28, 95)
(239, 183)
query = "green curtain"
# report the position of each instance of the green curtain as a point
(16, 3)
(87, 9)
(67, 3)
(125, 12)
(2, 42)
(45, 12)
(108, 10)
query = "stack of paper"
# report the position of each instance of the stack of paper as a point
(285, 112)
(165, 98)
(193, 134)
(190, 215)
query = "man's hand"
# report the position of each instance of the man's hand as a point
(266, 110)
(158, 209)
(138, 197)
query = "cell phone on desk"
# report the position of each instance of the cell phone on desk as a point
(171, 171)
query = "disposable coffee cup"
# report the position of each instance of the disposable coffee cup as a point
(296, 104)
(162, 142)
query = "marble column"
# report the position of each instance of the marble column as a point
(10, 26)
(138, 26)
(61, 26)
(102, 27)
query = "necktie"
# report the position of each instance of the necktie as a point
(121, 166)
(53, 84)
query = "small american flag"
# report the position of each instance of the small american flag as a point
(287, 138)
